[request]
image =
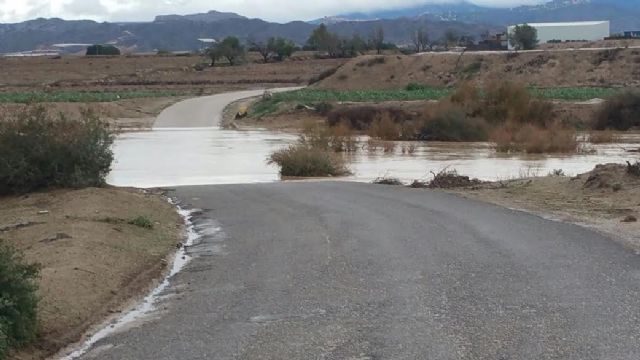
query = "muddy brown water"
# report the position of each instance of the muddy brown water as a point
(201, 156)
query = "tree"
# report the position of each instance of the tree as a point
(281, 48)
(420, 40)
(320, 39)
(262, 48)
(231, 49)
(451, 38)
(523, 37)
(377, 40)
(213, 53)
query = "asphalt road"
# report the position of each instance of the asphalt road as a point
(204, 111)
(327, 270)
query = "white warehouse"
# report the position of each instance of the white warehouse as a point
(570, 31)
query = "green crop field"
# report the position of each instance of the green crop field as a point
(411, 92)
(79, 96)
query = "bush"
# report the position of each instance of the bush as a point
(39, 151)
(448, 122)
(141, 221)
(535, 140)
(102, 50)
(302, 160)
(620, 112)
(18, 300)
(509, 102)
(385, 128)
(362, 117)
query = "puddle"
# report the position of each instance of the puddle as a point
(200, 156)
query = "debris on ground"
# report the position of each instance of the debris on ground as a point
(611, 176)
(449, 179)
(630, 219)
(387, 181)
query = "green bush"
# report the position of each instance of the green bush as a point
(302, 160)
(620, 112)
(141, 221)
(449, 122)
(18, 300)
(102, 50)
(40, 151)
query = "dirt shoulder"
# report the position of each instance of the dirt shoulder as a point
(93, 261)
(606, 199)
(124, 114)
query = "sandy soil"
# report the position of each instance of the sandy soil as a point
(601, 199)
(93, 261)
(544, 69)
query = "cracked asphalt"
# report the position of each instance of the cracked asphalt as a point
(334, 270)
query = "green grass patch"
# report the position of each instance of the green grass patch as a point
(29, 97)
(574, 93)
(411, 92)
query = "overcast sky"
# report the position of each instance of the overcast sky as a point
(145, 10)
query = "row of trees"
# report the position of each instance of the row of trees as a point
(523, 37)
(231, 49)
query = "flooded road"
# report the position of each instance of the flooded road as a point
(187, 147)
(200, 156)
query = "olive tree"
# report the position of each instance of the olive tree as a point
(523, 37)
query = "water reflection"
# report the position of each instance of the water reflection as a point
(173, 157)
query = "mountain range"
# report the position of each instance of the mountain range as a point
(181, 32)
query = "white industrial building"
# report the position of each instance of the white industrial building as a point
(570, 31)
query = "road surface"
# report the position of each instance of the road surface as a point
(204, 111)
(329, 270)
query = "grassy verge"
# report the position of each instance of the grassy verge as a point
(81, 96)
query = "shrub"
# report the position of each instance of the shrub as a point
(141, 221)
(362, 117)
(602, 137)
(102, 50)
(416, 87)
(509, 102)
(448, 122)
(323, 108)
(18, 300)
(620, 112)
(302, 160)
(535, 140)
(39, 151)
(385, 128)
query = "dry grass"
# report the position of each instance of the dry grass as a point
(535, 140)
(385, 128)
(603, 137)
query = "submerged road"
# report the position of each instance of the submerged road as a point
(328, 270)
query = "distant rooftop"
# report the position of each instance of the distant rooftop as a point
(573, 23)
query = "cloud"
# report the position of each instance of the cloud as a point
(144, 10)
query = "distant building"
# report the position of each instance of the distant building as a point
(570, 31)
(632, 34)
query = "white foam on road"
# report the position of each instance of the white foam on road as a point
(148, 304)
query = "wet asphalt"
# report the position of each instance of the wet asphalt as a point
(328, 270)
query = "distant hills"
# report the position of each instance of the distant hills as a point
(178, 32)
(623, 14)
